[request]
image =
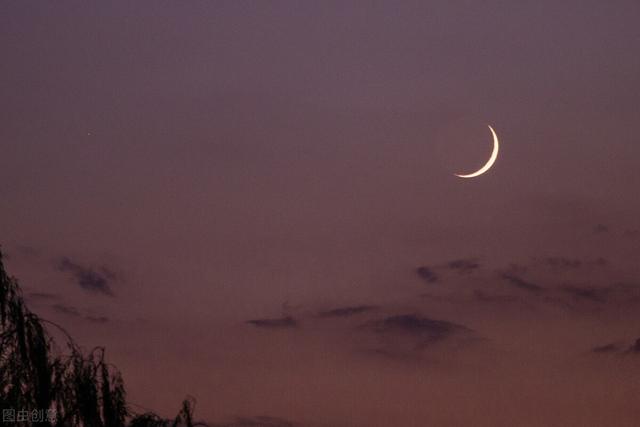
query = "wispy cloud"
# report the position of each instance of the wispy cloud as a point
(96, 319)
(411, 323)
(347, 311)
(600, 228)
(522, 284)
(74, 312)
(406, 335)
(277, 323)
(606, 348)
(66, 309)
(463, 266)
(427, 274)
(88, 278)
(618, 348)
(589, 293)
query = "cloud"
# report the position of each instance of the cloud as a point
(427, 274)
(406, 335)
(607, 348)
(96, 319)
(618, 348)
(277, 323)
(522, 284)
(73, 311)
(587, 293)
(411, 323)
(463, 266)
(600, 228)
(87, 278)
(66, 309)
(347, 311)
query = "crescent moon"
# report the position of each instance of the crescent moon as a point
(492, 159)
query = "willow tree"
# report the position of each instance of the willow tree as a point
(63, 387)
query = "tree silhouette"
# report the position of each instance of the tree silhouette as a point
(71, 388)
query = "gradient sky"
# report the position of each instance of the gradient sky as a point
(253, 203)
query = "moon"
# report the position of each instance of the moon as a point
(492, 159)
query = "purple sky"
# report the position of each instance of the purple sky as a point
(170, 171)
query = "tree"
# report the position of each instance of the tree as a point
(68, 389)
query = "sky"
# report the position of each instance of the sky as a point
(253, 203)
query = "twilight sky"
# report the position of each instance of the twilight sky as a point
(253, 203)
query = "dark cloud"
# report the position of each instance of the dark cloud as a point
(522, 284)
(73, 311)
(600, 228)
(427, 274)
(347, 311)
(87, 278)
(414, 324)
(463, 266)
(96, 319)
(607, 348)
(277, 323)
(617, 347)
(423, 331)
(66, 309)
(260, 421)
(587, 293)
